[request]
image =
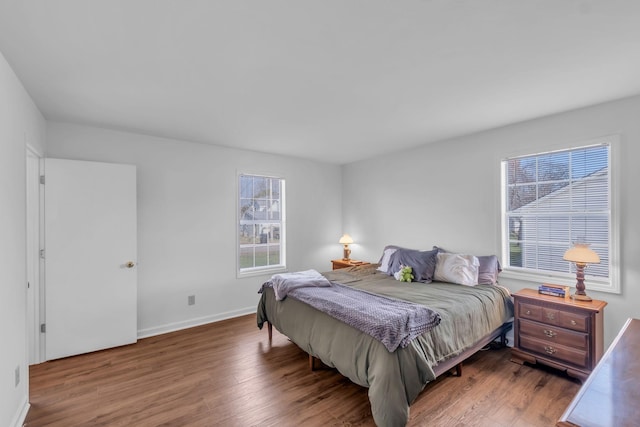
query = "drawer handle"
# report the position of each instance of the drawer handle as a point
(528, 312)
(549, 333)
(573, 323)
(550, 350)
(551, 316)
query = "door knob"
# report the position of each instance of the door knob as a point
(130, 264)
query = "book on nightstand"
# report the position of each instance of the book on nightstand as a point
(554, 290)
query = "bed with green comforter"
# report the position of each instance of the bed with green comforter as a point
(470, 315)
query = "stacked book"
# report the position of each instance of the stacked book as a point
(554, 290)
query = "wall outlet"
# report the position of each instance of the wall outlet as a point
(17, 372)
(191, 299)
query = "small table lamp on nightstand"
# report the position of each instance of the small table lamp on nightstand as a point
(581, 255)
(346, 240)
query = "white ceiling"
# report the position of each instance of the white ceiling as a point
(331, 80)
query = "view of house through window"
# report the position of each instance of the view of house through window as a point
(553, 200)
(261, 223)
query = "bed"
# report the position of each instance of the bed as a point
(470, 317)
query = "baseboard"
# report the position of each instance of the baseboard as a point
(21, 416)
(176, 326)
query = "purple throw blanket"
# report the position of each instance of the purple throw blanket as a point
(393, 322)
(284, 283)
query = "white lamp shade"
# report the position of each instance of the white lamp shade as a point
(580, 252)
(346, 239)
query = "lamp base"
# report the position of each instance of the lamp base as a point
(581, 297)
(347, 253)
(580, 294)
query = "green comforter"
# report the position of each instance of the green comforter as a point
(394, 379)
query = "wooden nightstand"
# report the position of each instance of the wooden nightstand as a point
(558, 332)
(340, 263)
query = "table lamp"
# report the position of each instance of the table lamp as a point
(346, 240)
(581, 255)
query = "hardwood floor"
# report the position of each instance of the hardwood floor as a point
(227, 374)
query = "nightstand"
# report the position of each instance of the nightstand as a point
(341, 263)
(558, 332)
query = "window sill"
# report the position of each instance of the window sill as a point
(592, 283)
(261, 271)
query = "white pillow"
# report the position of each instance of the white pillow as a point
(457, 268)
(384, 261)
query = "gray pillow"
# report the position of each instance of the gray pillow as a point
(488, 270)
(385, 259)
(423, 263)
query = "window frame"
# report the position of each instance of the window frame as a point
(268, 269)
(610, 284)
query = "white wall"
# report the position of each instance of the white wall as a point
(187, 219)
(20, 123)
(448, 193)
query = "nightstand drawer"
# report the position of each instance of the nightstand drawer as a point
(575, 321)
(566, 319)
(530, 311)
(555, 351)
(552, 316)
(554, 335)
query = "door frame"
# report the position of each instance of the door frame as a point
(34, 263)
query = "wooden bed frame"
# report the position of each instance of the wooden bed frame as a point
(447, 365)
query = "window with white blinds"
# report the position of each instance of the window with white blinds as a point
(552, 200)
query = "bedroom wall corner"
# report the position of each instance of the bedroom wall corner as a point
(20, 124)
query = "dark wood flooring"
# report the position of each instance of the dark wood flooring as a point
(227, 374)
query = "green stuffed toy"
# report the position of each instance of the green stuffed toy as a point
(405, 274)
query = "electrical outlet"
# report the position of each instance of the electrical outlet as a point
(191, 299)
(17, 375)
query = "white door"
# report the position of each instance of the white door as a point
(90, 256)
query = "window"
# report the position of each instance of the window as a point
(552, 200)
(260, 224)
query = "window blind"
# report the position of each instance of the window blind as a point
(556, 199)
